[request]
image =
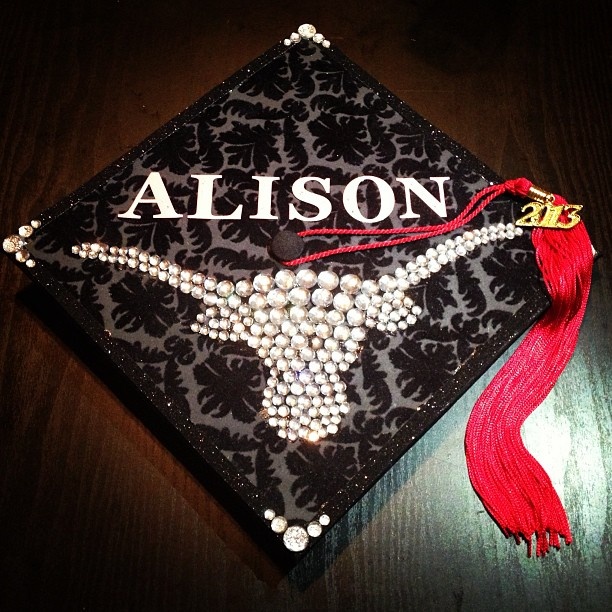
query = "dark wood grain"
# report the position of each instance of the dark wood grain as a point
(95, 513)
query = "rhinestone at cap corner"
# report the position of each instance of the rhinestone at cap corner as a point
(307, 30)
(296, 538)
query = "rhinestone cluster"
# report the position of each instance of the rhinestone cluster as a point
(307, 327)
(17, 243)
(432, 261)
(296, 537)
(307, 32)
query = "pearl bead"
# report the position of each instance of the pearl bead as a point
(331, 344)
(358, 334)
(315, 366)
(299, 341)
(355, 317)
(289, 328)
(267, 342)
(224, 288)
(350, 283)
(322, 297)
(284, 279)
(342, 302)
(318, 38)
(233, 301)
(328, 280)
(369, 287)
(299, 296)
(342, 332)
(323, 330)
(306, 278)
(244, 288)
(277, 315)
(277, 298)
(307, 354)
(330, 367)
(257, 301)
(297, 314)
(334, 317)
(307, 328)
(297, 388)
(263, 283)
(362, 301)
(316, 314)
(270, 329)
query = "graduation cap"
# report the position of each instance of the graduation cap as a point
(301, 275)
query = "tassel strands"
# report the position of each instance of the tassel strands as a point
(512, 485)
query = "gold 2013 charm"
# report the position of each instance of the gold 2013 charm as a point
(543, 212)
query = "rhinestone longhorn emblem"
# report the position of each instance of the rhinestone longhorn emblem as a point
(307, 327)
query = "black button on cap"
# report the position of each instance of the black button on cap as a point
(286, 245)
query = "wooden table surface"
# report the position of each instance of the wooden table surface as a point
(95, 512)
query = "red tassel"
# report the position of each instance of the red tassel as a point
(512, 485)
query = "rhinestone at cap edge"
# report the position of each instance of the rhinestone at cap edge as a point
(12, 244)
(307, 32)
(296, 538)
(314, 529)
(16, 243)
(278, 524)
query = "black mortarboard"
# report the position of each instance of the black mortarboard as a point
(300, 382)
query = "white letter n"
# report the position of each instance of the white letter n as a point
(438, 205)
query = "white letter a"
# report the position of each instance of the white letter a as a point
(160, 197)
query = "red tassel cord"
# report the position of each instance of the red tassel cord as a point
(512, 485)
